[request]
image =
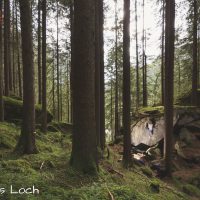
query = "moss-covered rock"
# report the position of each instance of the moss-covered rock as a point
(185, 98)
(155, 186)
(14, 111)
(60, 126)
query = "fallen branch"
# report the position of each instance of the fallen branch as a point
(110, 194)
(42, 165)
(115, 171)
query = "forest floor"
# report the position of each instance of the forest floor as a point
(50, 172)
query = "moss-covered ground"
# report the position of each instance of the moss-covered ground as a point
(50, 172)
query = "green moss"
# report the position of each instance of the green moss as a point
(60, 126)
(14, 111)
(185, 98)
(49, 170)
(8, 135)
(149, 110)
(195, 180)
(155, 186)
(17, 166)
(147, 171)
(191, 190)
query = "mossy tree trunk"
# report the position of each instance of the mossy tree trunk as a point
(127, 157)
(26, 142)
(84, 143)
(169, 82)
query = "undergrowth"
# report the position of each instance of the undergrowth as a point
(50, 172)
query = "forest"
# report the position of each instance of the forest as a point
(99, 100)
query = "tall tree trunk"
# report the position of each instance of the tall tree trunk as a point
(9, 48)
(1, 66)
(169, 82)
(44, 73)
(116, 76)
(58, 70)
(145, 68)
(61, 94)
(162, 53)
(53, 85)
(68, 94)
(111, 108)
(195, 49)
(18, 53)
(84, 144)
(102, 84)
(97, 71)
(6, 46)
(144, 61)
(179, 77)
(13, 48)
(127, 157)
(39, 54)
(71, 63)
(26, 142)
(137, 59)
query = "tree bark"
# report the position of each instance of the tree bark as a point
(144, 61)
(71, 63)
(127, 157)
(13, 48)
(68, 93)
(169, 82)
(44, 73)
(102, 84)
(195, 58)
(84, 143)
(137, 59)
(97, 70)
(162, 54)
(58, 70)
(26, 142)
(111, 107)
(18, 54)
(116, 76)
(53, 85)
(39, 54)
(9, 48)
(1, 66)
(6, 46)
(61, 94)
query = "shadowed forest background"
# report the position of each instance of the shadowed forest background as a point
(99, 99)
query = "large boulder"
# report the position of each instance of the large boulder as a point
(185, 99)
(148, 131)
(150, 128)
(60, 126)
(13, 109)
